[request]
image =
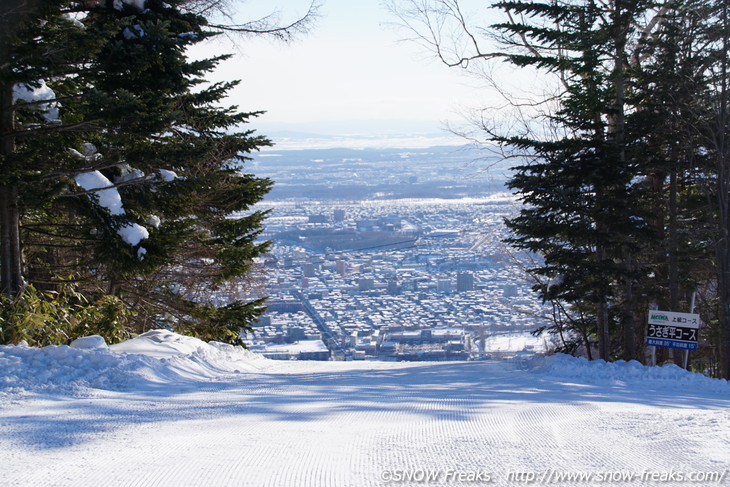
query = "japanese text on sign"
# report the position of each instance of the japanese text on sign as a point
(673, 330)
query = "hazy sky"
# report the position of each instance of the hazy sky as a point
(352, 68)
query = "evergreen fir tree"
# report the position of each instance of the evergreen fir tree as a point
(129, 190)
(667, 93)
(626, 183)
(577, 187)
(717, 43)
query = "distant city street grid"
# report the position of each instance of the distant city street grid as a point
(391, 255)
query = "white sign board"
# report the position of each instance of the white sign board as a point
(673, 330)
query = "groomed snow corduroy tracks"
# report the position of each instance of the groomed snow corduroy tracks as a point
(366, 424)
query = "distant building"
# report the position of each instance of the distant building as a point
(341, 267)
(283, 306)
(391, 223)
(309, 270)
(367, 224)
(294, 334)
(464, 282)
(410, 285)
(339, 215)
(443, 285)
(317, 219)
(393, 288)
(366, 284)
(301, 350)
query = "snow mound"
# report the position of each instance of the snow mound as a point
(62, 368)
(167, 345)
(156, 357)
(92, 342)
(579, 369)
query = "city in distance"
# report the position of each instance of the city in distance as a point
(392, 254)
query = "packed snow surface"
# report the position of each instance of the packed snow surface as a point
(163, 409)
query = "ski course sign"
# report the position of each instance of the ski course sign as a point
(673, 330)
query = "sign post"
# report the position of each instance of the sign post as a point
(673, 330)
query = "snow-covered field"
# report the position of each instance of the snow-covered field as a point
(169, 410)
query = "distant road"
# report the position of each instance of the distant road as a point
(330, 338)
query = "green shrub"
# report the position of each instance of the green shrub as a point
(58, 317)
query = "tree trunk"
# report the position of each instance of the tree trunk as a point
(629, 307)
(602, 329)
(586, 342)
(723, 213)
(617, 139)
(11, 279)
(604, 337)
(673, 245)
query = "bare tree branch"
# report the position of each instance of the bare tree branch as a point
(443, 29)
(268, 26)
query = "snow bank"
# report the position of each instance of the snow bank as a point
(161, 358)
(578, 369)
(516, 342)
(93, 342)
(65, 369)
(156, 357)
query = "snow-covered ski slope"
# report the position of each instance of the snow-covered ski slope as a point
(166, 410)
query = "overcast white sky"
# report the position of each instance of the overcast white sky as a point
(352, 73)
